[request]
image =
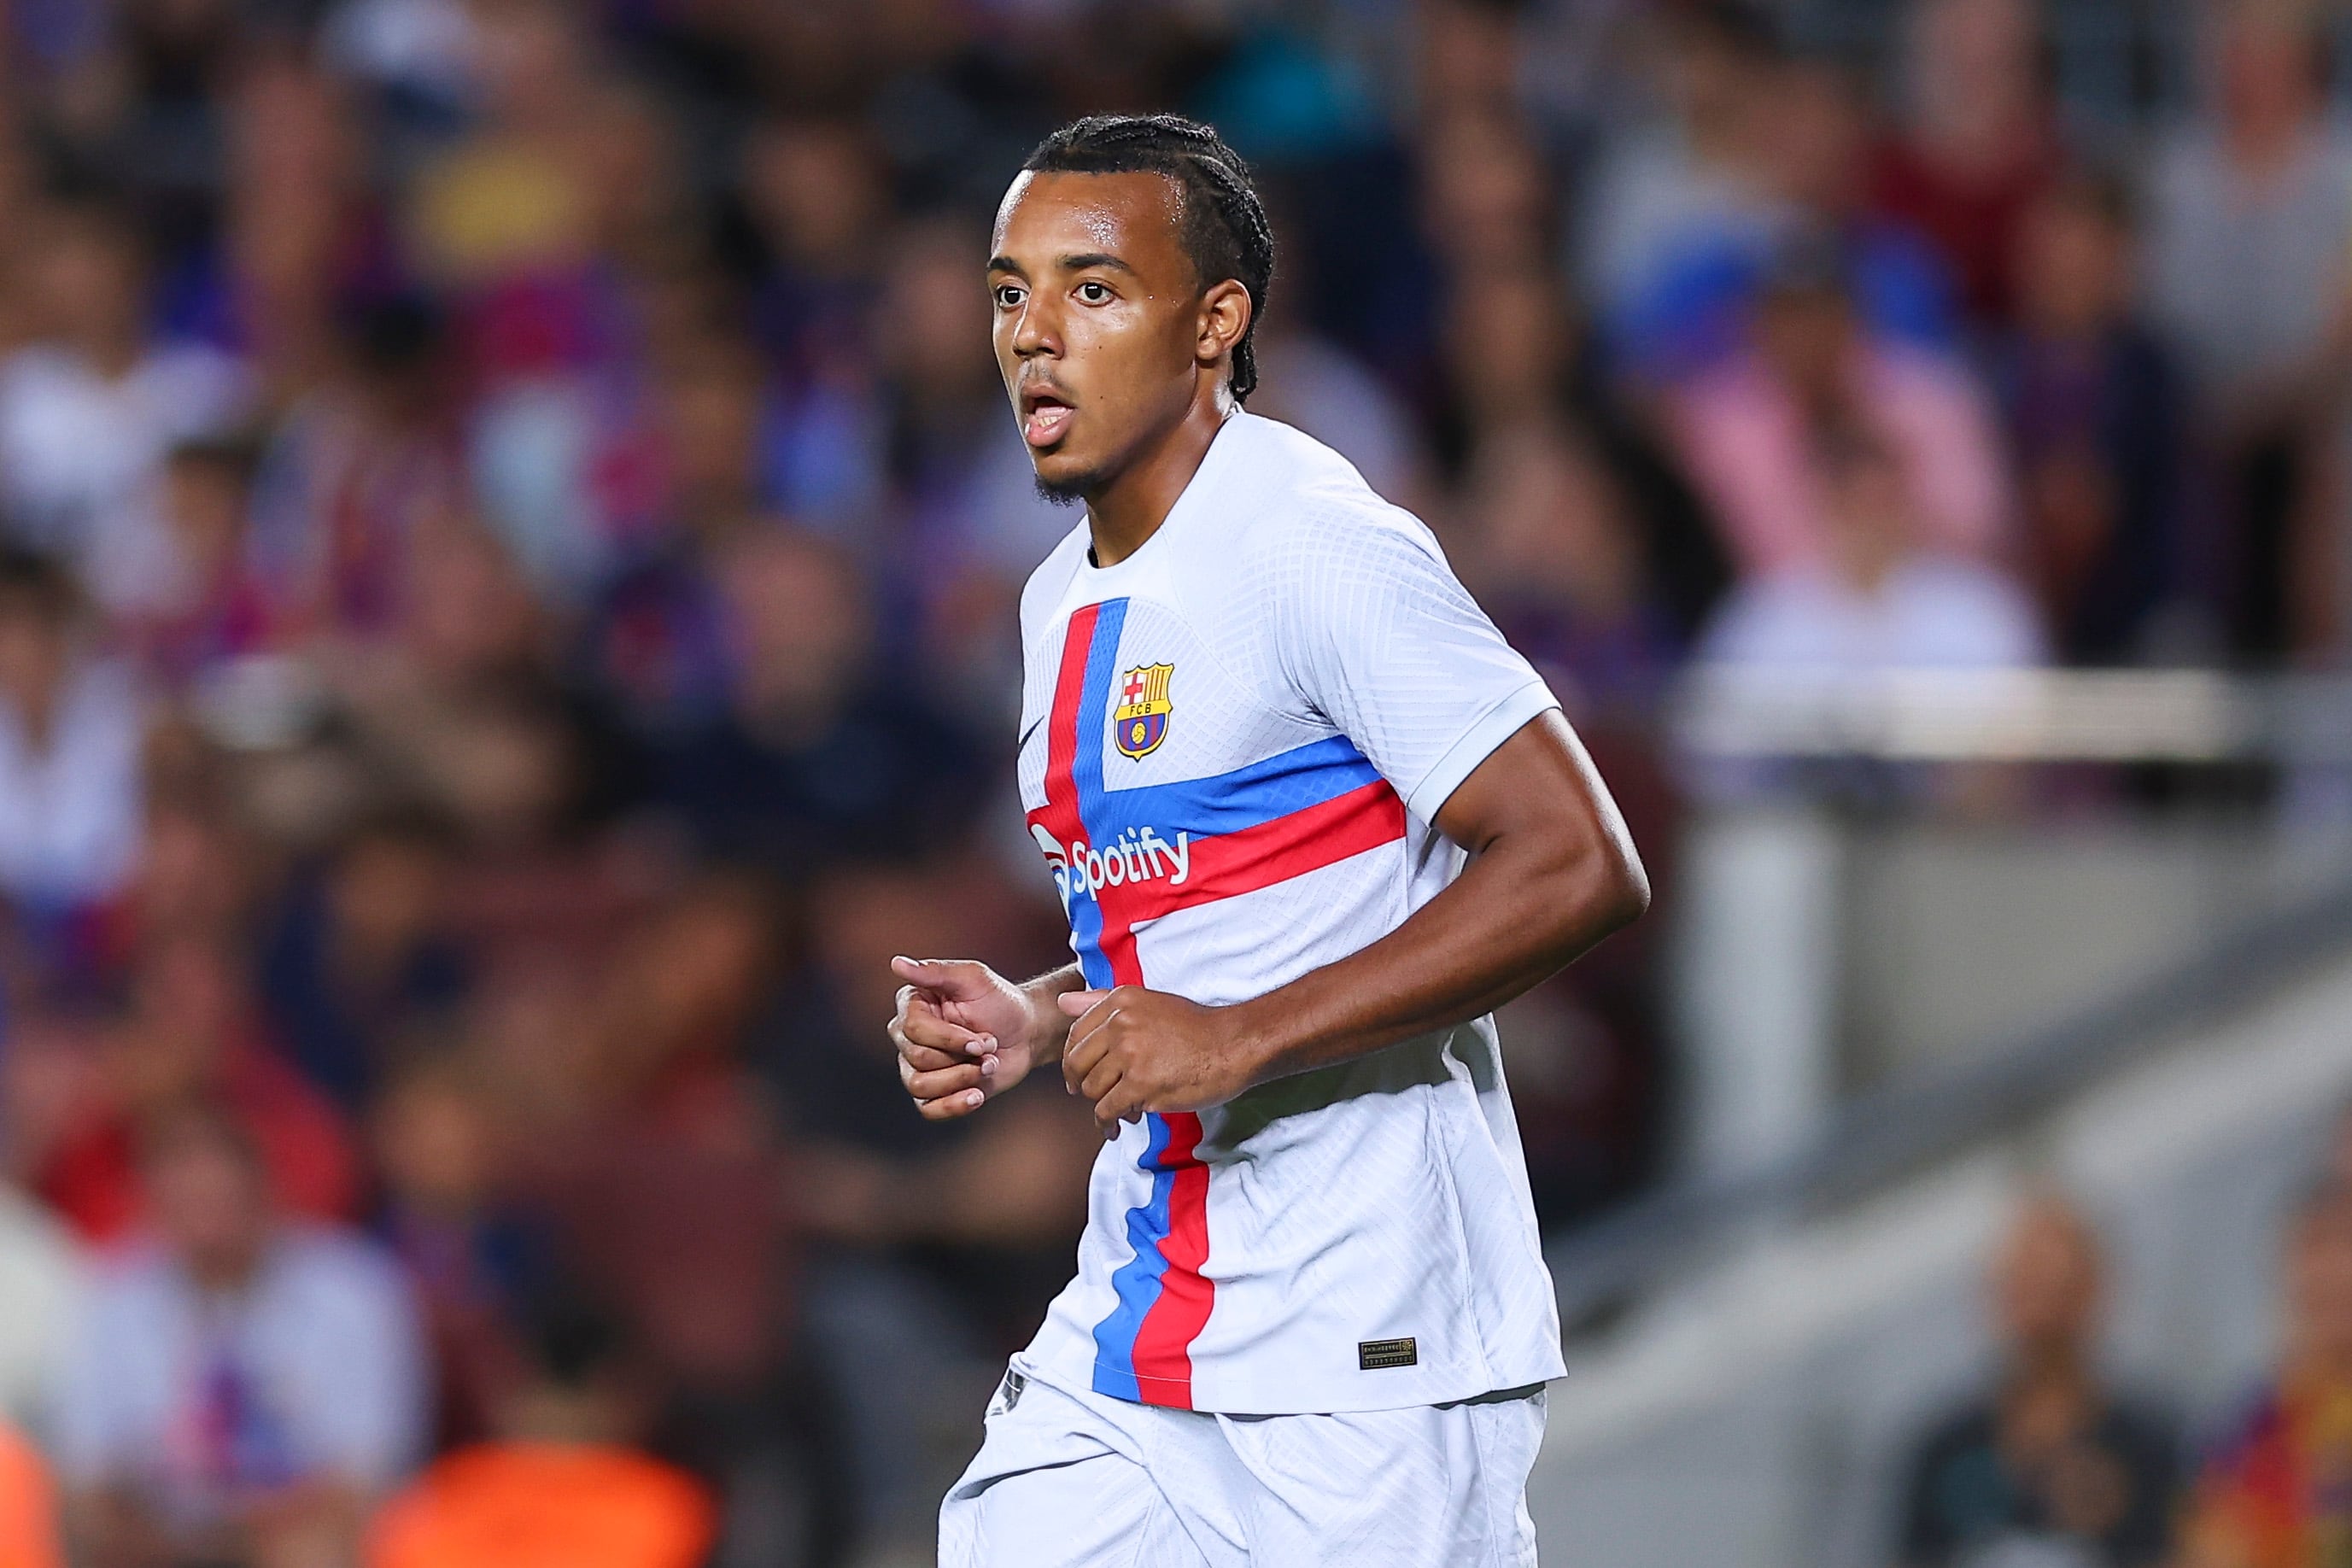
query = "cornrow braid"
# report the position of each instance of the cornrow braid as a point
(1224, 229)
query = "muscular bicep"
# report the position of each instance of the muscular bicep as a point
(1551, 872)
(1539, 793)
(1374, 635)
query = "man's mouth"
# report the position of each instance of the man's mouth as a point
(1045, 417)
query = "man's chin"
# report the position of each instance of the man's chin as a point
(1067, 485)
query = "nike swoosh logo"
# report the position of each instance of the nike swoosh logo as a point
(1033, 726)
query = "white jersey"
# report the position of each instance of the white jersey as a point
(1232, 744)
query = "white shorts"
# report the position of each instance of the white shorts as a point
(1082, 1480)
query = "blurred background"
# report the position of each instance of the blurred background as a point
(509, 539)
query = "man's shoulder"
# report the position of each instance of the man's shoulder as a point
(320, 1268)
(1290, 500)
(1270, 469)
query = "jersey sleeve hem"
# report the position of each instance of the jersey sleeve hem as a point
(1478, 743)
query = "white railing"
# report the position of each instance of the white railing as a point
(1722, 713)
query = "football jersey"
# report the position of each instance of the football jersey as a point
(1234, 742)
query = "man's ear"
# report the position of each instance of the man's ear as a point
(1226, 313)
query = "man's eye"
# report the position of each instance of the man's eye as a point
(1008, 295)
(1094, 293)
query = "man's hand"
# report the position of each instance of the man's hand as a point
(965, 1034)
(1133, 1050)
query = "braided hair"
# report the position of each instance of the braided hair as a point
(1223, 226)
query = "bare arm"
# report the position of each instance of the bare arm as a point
(1551, 872)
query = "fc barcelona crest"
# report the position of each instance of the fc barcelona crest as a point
(1141, 721)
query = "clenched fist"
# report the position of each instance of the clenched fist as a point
(1133, 1050)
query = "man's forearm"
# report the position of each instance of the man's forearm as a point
(1516, 916)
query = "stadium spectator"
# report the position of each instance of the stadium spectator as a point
(1877, 598)
(70, 732)
(1550, 548)
(1977, 145)
(1811, 365)
(2050, 1464)
(201, 871)
(355, 465)
(2270, 1494)
(2094, 405)
(505, 216)
(1815, 135)
(299, 227)
(41, 1290)
(815, 190)
(564, 1483)
(476, 1253)
(816, 755)
(2249, 207)
(671, 1204)
(1697, 173)
(364, 952)
(211, 605)
(708, 424)
(28, 1507)
(1515, 352)
(242, 1388)
(88, 410)
(193, 1030)
(655, 634)
(1485, 191)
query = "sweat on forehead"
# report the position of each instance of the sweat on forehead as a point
(1100, 204)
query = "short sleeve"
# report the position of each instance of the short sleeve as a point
(1374, 631)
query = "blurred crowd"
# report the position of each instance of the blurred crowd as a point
(509, 534)
(2055, 1463)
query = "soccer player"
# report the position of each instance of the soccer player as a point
(1311, 820)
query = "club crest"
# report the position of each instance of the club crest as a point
(1140, 723)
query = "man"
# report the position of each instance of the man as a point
(564, 1482)
(2275, 1490)
(2050, 1463)
(243, 1386)
(1311, 820)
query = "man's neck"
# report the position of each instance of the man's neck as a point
(2263, 146)
(226, 1274)
(113, 355)
(1128, 510)
(2055, 1363)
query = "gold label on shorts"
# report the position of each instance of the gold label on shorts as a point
(1378, 1355)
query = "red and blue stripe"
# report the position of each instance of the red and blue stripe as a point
(1251, 827)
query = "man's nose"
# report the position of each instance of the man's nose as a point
(1033, 332)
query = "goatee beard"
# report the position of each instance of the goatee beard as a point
(1065, 492)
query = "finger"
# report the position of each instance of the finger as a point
(930, 1059)
(1123, 1103)
(1089, 1040)
(953, 1106)
(926, 1063)
(952, 979)
(1078, 1004)
(1105, 1076)
(923, 1058)
(948, 1081)
(921, 1025)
